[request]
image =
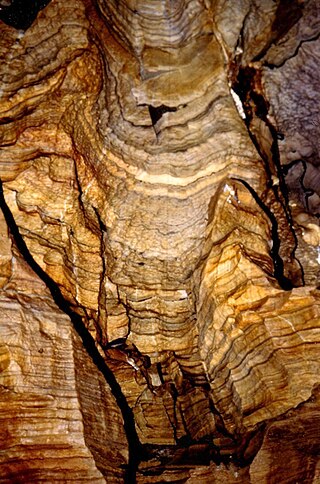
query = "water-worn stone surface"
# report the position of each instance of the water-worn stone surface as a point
(159, 164)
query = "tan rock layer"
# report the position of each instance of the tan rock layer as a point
(139, 190)
(48, 387)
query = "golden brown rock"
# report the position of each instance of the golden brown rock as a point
(290, 450)
(143, 168)
(48, 389)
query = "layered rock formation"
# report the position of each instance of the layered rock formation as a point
(159, 167)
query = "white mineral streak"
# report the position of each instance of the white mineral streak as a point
(238, 104)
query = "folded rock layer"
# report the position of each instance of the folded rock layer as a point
(164, 183)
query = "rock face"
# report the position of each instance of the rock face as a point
(160, 177)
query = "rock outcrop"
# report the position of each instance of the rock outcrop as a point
(160, 242)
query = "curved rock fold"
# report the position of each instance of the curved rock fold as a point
(160, 162)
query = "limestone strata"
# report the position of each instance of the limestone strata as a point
(165, 219)
(257, 341)
(48, 388)
(297, 458)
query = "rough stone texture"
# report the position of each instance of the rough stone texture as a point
(295, 441)
(59, 419)
(184, 236)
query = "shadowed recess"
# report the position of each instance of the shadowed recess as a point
(20, 14)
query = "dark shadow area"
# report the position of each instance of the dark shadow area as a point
(157, 113)
(288, 13)
(247, 85)
(20, 14)
(278, 265)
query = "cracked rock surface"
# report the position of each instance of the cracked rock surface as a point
(160, 242)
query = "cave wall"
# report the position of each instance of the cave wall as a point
(160, 242)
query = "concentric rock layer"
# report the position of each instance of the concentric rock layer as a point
(160, 180)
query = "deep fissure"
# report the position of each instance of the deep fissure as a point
(134, 446)
(254, 104)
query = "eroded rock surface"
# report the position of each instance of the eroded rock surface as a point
(59, 418)
(156, 165)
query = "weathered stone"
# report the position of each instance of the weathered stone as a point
(160, 163)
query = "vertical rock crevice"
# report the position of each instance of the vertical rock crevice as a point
(134, 446)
